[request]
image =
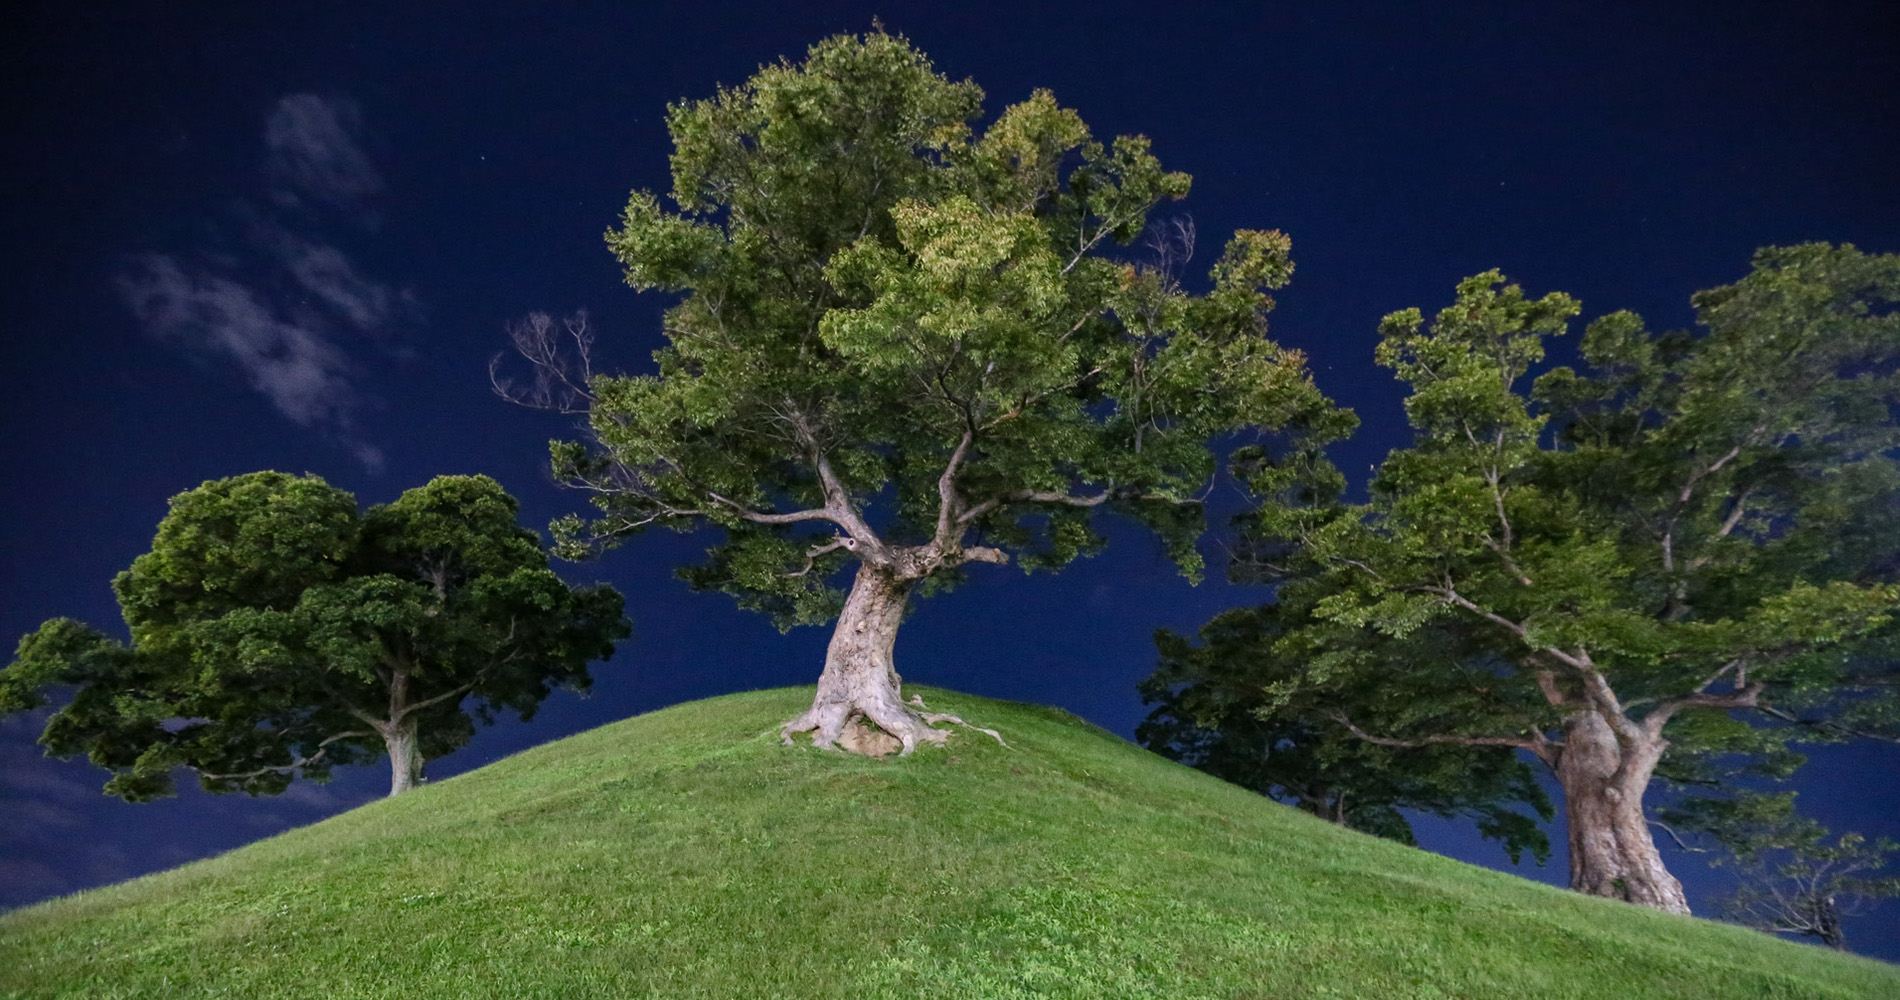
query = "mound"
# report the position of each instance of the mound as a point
(686, 853)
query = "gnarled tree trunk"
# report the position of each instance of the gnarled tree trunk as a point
(860, 680)
(1611, 851)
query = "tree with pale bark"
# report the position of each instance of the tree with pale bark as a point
(277, 632)
(906, 345)
(1667, 563)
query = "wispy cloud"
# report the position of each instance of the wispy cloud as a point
(326, 273)
(313, 150)
(287, 306)
(304, 374)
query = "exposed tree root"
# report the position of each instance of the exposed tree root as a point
(877, 727)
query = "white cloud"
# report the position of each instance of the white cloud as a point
(305, 375)
(284, 307)
(313, 149)
(323, 271)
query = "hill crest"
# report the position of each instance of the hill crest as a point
(687, 853)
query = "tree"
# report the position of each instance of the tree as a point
(903, 348)
(1794, 877)
(1643, 560)
(1226, 707)
(276, 632)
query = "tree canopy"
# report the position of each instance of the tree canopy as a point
(1208, 715)
(906, 345)
(277, 632)
(1667, 562)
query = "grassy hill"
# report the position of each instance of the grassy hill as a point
(686, 854)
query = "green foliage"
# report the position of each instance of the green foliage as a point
(1794, 877)
(898, 330)
(1690, 534)
(277, 632)
(1234, 706)
(685, 853)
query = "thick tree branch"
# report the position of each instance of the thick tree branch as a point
(812, 554)
(1547, 683)
(1688, 492)
(838, 508)
(1742, 697)
(322, 749)
(360, 714)
(949, 501)
(1728, 526)
(1579, 661)
(1536, 743)
(1688, 488)
(1032, 496)
(1597, 690)
(407, 710)
(745, 513)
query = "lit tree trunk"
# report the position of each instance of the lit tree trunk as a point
(1611, 851)
(405, 756)
(1827, 922)
(860, 681)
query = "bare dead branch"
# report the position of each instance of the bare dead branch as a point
(560, 360)
(1172, 244)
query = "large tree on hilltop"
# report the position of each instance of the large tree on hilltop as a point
(1640, 562)
(902, 349)
(277, 632)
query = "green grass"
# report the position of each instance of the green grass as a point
(686, 854)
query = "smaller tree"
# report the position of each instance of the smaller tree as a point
(277, 632)
(1794, 876)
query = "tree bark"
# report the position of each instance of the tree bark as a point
(1611, 851)
(405, 756)
(860, 682)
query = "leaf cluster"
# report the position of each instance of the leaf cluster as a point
(1794, 877)
(881, 302)
(1236, 705)
(1692, 524)
(275, 631)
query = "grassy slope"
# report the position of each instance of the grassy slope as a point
(686, 854)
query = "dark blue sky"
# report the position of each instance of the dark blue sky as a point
(248, 236)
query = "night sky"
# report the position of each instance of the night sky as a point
(248, 236)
